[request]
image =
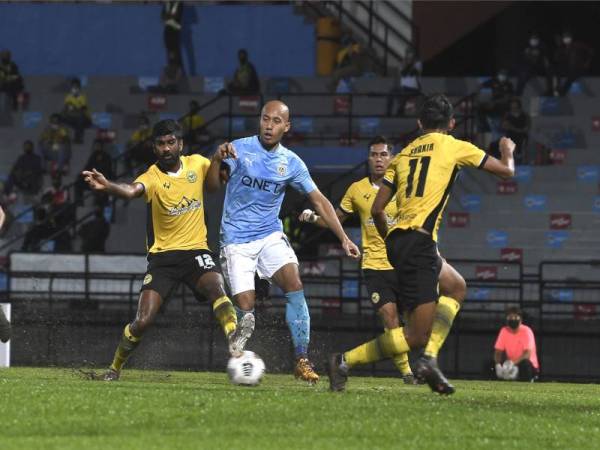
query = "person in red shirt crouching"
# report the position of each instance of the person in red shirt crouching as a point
(515, 353)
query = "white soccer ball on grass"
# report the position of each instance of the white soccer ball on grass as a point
(246, 370)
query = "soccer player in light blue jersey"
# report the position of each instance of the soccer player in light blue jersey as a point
(252, 239)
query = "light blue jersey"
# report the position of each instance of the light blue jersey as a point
(257, 182)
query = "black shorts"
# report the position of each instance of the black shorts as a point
(382, 286)
(167, 269)
(417, 265)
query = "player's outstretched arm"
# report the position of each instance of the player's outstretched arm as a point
(383, 197)
(97, 182)
(325, 209)
(2, 217)
(505, 167)
(213, 176)
(309, 216)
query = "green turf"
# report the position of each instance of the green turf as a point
(56, 408)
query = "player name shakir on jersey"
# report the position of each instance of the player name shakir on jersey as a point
(421, 149)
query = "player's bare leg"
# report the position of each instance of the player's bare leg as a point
(148, 306)
(297, 318)
(245, 321)
(211, 286)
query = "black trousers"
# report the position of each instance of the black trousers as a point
(172, 38)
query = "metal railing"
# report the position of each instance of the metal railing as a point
(339, 305)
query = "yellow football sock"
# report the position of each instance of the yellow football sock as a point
(445, 312)
(401, 363)
(386, 345)
(127, 344)
(225, 314)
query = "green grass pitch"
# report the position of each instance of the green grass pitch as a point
(57, 409)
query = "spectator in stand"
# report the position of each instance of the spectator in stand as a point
(515, 354)
(94, 233)
(40, 230)
(496, 107)
(516, 125)
(75, 111)
(171, 17)
(139, 146)
(407, 83)
(11, 81)
(192, 119)
(170, 77)
(245, 79)
(61, 213)
(195, 134)
(99, 159)
(534, 62)
(572, 60)
(27, 173)
(352, 60)
(55, 146)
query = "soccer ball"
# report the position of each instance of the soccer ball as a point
(246, 370)
(511, 372)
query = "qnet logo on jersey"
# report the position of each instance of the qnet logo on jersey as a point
(458, 219)
(496, 238)
(511, 254)
(486, 272)
(560, 221)
(507, 187)
(535, 202)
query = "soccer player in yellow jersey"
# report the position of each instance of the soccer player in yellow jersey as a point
(176, 237)
(378, 273)
(420, 177)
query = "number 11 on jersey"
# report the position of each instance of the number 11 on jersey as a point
(425, 160)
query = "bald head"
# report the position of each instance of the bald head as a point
(276, 107)
(274, 123)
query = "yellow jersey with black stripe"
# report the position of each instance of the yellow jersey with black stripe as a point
(422, 175)
(175, 219)
(358, 199)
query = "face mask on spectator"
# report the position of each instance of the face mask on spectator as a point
(513, 323)
(567, 40)
(534, 42)
(75, 91)
(501, 77)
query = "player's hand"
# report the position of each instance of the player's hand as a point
(506, 146)
(308, 216)
(2, 217)
(351, 249)
(224, 151)
(95, 180)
